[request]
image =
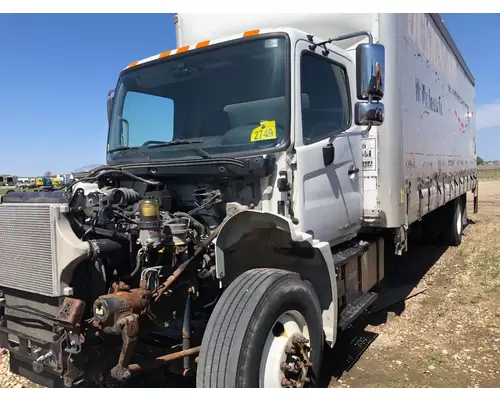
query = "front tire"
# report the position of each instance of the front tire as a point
(265, 331)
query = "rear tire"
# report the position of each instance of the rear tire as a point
(263, 317)
(444, 226)
(456, 228)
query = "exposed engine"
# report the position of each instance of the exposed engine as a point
(150, 268)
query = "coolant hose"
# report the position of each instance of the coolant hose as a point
(104, 246)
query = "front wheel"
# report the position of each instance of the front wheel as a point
(265, 331)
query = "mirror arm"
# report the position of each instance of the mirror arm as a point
(343, 37)
(353, 35)
(350, 134)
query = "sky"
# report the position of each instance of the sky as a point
(56, 70)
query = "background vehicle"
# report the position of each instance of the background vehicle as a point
(251, 184)
(11, 180)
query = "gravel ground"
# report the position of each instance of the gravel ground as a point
(9, 380)
(447, 336)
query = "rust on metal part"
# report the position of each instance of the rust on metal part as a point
(133, 299)
(71, 311)
(135, 368)
(129, 330)
(119, 287)
(181, 268)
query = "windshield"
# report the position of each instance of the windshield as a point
(227, 100)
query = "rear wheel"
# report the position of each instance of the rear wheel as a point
(444, 226)
(456, 210)
(265, 331)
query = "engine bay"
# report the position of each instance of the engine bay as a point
(152, 268)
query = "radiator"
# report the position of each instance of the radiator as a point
(37, 244)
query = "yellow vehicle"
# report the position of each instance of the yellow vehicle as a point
(56, 181)
(43, 181)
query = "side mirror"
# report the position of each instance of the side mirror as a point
(110, 103)
(369, 114)
(370, 78)
(370, 70)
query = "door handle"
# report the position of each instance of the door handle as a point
(353, 171)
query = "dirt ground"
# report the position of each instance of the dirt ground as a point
(446, 336)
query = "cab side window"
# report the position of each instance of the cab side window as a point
(326, 105)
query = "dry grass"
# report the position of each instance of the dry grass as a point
(450, 335)
(489, 172)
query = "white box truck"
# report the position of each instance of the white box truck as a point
(254, 176)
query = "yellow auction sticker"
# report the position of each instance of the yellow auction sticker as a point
(265, 131)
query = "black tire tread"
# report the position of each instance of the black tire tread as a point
(231, 311)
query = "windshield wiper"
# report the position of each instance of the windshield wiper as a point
(122, 148)
(132, 151)
(176, 142)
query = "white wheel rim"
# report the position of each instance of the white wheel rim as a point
(289, 327)
(459, 221)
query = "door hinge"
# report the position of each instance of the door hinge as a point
(291, 159)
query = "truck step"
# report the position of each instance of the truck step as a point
(343, 256)
(355, 308)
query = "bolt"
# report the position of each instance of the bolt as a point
(300, 340)
(285, 382)
(285, 367)
(295, 383)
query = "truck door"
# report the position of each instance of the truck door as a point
(328, 198)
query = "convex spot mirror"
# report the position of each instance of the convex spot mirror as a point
(369, 114)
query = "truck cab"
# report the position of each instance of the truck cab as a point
(280, 94)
